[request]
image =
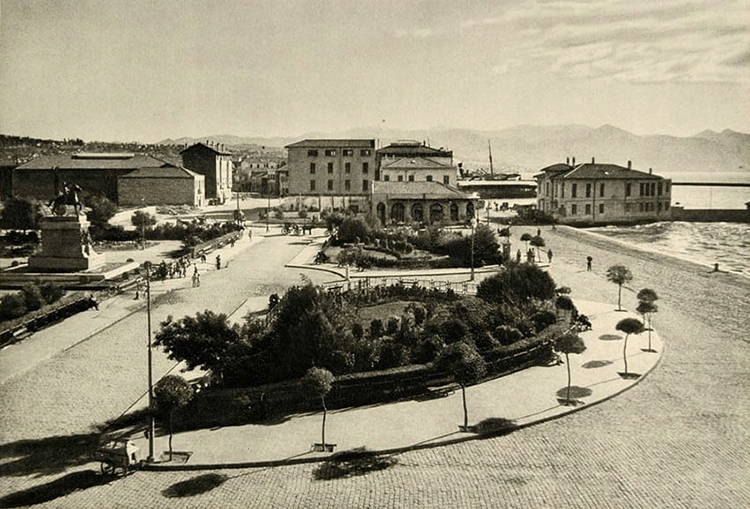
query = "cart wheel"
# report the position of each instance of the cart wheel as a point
(107, 468)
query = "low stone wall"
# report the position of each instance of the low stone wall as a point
(711, 215)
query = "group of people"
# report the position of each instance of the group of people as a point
(173, 270)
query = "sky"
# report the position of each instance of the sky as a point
(146, 70)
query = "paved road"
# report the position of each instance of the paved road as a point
(679, 439)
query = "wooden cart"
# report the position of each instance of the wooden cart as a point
(120, 453)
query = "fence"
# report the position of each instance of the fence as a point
(365, 283)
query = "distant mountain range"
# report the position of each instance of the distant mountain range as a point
(526, 149)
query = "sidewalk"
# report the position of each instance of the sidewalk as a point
(21, 356)
(526, 397)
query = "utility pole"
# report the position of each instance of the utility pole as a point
(489, 146)
(268, 209)
(473, 226)
(151, 427)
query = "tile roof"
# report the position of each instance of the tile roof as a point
(212, 148)
(418, 190)
(333, 143)
(415, 148)
(415, 163)
(94, 162)
(606, 171)
(162, 172)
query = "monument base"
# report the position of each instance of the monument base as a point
(66, 246)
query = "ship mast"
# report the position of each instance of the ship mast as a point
(489, 146)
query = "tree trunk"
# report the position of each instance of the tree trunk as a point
(649, 332)
(619, 297)
(325, 410)
(624, 353)
(567, 361)
(466, 411)
(170, 434)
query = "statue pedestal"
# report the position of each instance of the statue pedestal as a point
(66, 246)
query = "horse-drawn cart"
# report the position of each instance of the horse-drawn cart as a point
(120, 453)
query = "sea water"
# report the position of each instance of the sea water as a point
(727, 244)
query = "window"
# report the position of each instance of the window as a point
(446, 179)
(312, 167)
(400, 178)
(601, 189)
(641, 194)
(562, 190)
(365, 185)
(312, 185)
(365, 167)
(628, 189)
(347, 167)
(588, 209)
(347, 185)
(428, 178)
(658, 207)
(330, 167)
(627, 207)
(386, 178)
(312, 152)
(330, 185)
(348, 152)
(659, 189)
(574, 191)
(601, 208)
(653, 189)
(365, 152)
(330, 152)
(640, 206)
(666, 187)
(411, 178)
(666, 206)
(573, 209)
(546, 189)
(588, 190)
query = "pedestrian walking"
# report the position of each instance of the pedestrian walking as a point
(588, 263)
(218, 262)
(93, 303)
(549, 256)
(518, 256)
(538, 232)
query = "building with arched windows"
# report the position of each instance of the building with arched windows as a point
(419, 202)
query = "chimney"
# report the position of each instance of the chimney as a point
(630, 164)
(593, 161)
(567, 161)
(574, 161)
(650, 171)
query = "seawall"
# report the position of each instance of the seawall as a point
(711, 215)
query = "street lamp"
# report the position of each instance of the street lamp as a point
(473, 226)
(151, 427)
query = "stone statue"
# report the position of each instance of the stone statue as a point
(70, 195)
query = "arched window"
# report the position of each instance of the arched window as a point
(397, 212)
(381, 212)
(469, 210)
(417, 213)
(454, 212)
(436, 213)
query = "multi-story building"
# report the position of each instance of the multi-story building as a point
(411, 149)
(419, 202)
(594, 193)
(331, 167)
(213, 162)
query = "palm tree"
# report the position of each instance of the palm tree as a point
(570, 342)
(628, 326)
(619, 274)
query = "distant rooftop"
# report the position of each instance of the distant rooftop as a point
(417, 190)
(98, 162)
(334, 143)
(103, 155)
(415, 163)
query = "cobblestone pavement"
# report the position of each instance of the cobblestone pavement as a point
(678, 439)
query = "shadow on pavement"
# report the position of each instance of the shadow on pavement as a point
(596, 364)
(75, 481)
(575, 392)
(47, 456)
(494, 427)
(195, 486)
(610, 337)
(357, 461)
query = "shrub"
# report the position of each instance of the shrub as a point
(376, 328)
(12, 306)
(507, 335)
(32, 297)
(302, 214)
(543, 319)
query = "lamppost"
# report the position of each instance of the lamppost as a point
(268, 208)
(473, 226)
(151, 427)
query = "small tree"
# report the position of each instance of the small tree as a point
(20, 214)
(564, 303)
(318, 382)
(646, 308)
(170, 393)
(32, 297)
(628, 326)
(537, 242)
(142, 221)
(466, 365)
(526, 237)
(619, 274)
(568, 343)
